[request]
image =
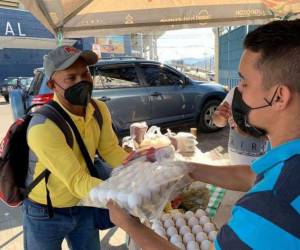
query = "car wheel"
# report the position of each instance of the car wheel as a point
(205, 122)
(6, 97)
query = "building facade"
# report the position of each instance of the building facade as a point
(229, 53)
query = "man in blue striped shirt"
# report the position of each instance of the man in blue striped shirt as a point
(266, 103)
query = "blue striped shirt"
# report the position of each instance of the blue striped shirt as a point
(268, 216)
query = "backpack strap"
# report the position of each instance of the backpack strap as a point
(97, 114)
(51, 113)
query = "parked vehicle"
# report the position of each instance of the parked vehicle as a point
(139, 90)
(11, 83)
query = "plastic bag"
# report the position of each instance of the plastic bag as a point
(138, 131)
(143, 188)
(186, 142)
(154, 138)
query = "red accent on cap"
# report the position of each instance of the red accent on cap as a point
(71, 50)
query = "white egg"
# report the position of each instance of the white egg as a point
(157, 224)
(188, 214)
(169, 223)
(145, 193)
(166, 217)
(160, 231)
(188, 237)
(155, 197)
(171, 231)
(177, 215)
(200, 212)
(94, 194)
(180, 222)
(180, 245)
(212, 235)
(208, 227)
(123, 184)
(175, 211)
(201, 236)
(156, 221)
(134, 200)
(111, 195)
(175, 238)
(205, 245)
(196, 229)
(193, 221)
(192, 245)
(184, 229)
(122, 197)
(204, 219)
(102, 195)
(154, 188)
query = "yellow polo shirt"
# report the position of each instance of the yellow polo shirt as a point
(70, 180)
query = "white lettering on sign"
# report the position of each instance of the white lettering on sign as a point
(20, 31)
(9, 31)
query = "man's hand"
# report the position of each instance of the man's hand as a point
(144, 237)
(222, 115)
(119, 216)
(224, 110)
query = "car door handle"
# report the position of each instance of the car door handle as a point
(104, 98)
(156, 94)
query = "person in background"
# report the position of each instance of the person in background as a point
(265, 103)
(242, 148)
(69, 180)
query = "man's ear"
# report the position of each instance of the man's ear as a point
(50, 84)
(283, 97)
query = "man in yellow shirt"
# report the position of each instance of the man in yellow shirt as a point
(69, 179)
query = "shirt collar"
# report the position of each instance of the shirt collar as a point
(276, 155)
(88, 115)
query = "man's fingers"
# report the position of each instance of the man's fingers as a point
(111, 204)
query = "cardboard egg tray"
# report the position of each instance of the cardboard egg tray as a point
(187, 231)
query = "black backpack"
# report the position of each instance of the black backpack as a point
(14, 153)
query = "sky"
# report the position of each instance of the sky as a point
(177, 44)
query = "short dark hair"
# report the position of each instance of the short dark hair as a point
(278, 42)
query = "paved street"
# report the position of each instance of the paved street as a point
(11, 234)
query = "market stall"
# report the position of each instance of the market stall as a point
(154, 184)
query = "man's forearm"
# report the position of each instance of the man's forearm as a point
(238, 178)
(145, 238)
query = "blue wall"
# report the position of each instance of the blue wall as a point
(21, 62)
(230, 51)
(29, 25)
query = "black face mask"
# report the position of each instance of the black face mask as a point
(79, 94)
(240, 112)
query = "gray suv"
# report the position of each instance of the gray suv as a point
(140, 90)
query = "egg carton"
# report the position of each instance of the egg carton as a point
(142, 188)
(188, 231)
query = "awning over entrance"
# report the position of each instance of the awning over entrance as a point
(81, 18)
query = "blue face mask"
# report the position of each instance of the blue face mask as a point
(240, 112)
(79, 94)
